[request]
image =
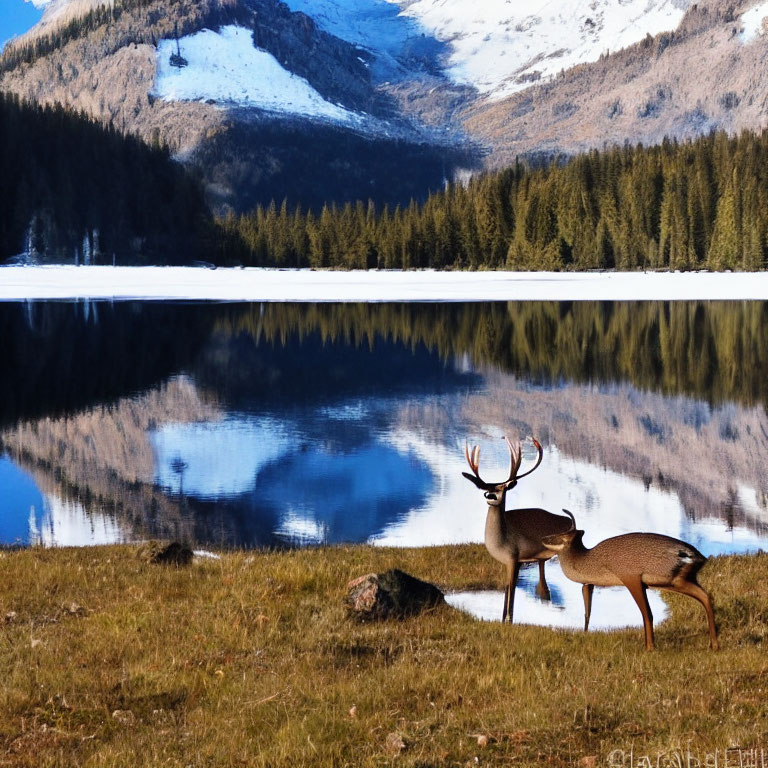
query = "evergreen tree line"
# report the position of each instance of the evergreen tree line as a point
(72, 189)
(17, 54)
(690, 205)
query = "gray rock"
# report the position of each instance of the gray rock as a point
(392, 594)
(165, 553)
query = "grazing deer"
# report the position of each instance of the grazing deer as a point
(513, 536)
(636, 561)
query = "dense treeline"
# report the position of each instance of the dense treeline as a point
(699, 204)
(71, 189)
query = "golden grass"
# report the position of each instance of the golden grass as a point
(251, 661)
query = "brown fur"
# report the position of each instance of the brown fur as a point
(636, 561)
(514, 536)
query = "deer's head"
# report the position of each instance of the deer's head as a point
(495, 492)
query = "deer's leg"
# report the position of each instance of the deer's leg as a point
(697, 592)
(638, 591)
(586, 591)
(542, 590)
(513, 570)
(506, 604)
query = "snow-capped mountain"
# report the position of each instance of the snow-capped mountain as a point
(267, 96)
(497, 46)
(708, 74)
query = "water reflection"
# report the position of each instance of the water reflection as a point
(344, 486)
(67, 523)
(209, 460)
(284, 426)
(612, 607)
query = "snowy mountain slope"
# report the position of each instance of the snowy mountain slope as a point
(375, 24)
(379, 26)
(227, 68)
(707, 75)
(497, 46)
(500, 47)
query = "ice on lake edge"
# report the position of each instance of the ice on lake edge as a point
(19, 283)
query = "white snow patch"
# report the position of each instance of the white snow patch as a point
(497, 46)
(227, 68)
(178, 283)
(752, 22)
(496, 42)
(205, 554)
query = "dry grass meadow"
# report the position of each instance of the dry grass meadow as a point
(251, 661)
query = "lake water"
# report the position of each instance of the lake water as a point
(247, 425)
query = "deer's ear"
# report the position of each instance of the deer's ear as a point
(554, 543)
(472, 479)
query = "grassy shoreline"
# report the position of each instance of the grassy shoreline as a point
(250, 660)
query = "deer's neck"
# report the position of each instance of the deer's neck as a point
(496, 537)
(582, 565)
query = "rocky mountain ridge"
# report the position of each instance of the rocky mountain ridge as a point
(460, 86)
(706, 75)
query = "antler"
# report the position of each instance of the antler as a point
(515, 459)
(538, 461)
(473, 460)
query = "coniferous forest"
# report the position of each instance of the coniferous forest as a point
(73, 190)
(693, 205)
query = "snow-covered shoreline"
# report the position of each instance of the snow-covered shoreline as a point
(200, 284)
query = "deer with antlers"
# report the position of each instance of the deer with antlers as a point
(514, 536)
(636, 561)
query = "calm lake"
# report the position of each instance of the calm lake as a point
(264, 425)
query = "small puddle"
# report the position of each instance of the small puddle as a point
(612, 607)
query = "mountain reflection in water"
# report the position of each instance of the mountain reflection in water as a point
(286, 425)
(340, 488)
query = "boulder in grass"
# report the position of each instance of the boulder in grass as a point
(165, 553)
(390, 595)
